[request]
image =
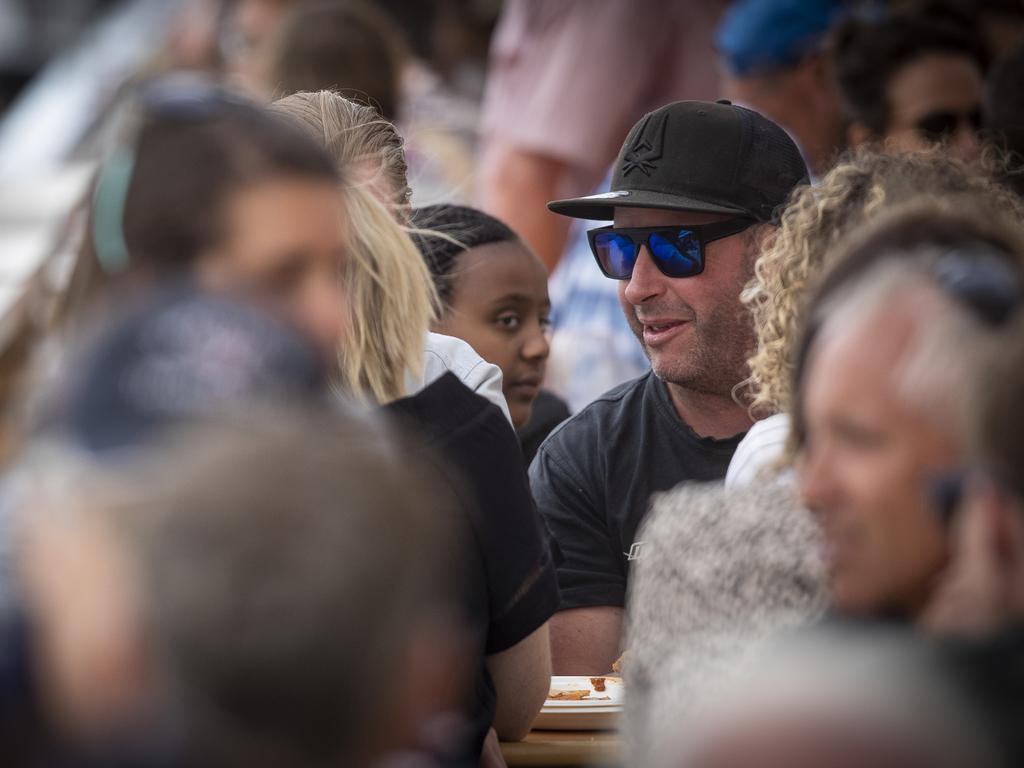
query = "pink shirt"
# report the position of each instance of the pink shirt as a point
(569, 78)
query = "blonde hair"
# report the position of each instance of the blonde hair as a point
(362, 143)
(392, 299)
(816, 220)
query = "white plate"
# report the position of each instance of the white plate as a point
(601, 712)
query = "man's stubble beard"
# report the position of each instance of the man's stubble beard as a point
(716, 360)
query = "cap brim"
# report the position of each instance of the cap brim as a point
(601, 207)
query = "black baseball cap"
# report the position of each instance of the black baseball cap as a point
(710, 157)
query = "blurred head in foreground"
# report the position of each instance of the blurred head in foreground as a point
(836, 700)
(893, 337)
(270, 588)
(981, 594)
(997, 432)
(214, 189)
(177, 356)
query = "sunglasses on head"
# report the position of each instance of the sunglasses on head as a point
(983, 281)
(677, 251)
(188, 99)
(947, 491)
(939, 126)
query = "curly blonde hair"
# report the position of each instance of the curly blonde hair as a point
(392, 300)
(816, 220)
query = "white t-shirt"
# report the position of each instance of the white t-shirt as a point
(762, 447)
(444, 354)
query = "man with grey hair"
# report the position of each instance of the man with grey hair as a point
(895, 333)
(277, 588)
(884, 368)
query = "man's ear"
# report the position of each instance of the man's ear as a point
(758, 239)
(813, 72)
(764, 236)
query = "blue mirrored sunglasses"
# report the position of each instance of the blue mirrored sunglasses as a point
(676, 251)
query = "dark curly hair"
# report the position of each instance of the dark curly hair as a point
(867, 52)
(444, 232)
(1004, 115)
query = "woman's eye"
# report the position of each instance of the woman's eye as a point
(545, 323)
(508, 322)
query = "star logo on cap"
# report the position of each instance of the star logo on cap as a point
(644, 152)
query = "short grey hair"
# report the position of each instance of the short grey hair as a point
(287, 561)
(948, 345)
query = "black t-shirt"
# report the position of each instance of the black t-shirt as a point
(593, 478)
(511, 586)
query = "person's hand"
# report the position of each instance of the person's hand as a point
(983, 586)
(490, 755)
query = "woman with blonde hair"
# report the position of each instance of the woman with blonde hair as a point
(389, 351)
(816, 220)
(387, 348)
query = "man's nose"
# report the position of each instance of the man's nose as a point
(647, 281)
(814, 480)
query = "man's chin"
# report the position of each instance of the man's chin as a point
(671, 368)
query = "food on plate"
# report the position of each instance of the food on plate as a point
(617, 666)
(576, 696)
(598, 685)
(568, 695)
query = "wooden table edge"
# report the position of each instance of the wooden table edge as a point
(564, 748)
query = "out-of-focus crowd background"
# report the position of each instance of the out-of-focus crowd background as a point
(64, 63)
(501, 105)
(204, 595)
